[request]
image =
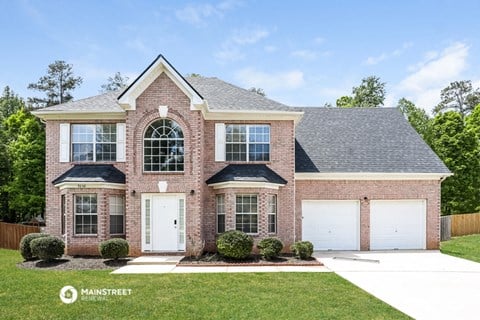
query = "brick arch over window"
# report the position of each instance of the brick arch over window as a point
(163, 146)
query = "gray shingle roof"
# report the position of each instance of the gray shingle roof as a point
(246, 173)
(106, 102)
(222, 95)
(361, 140)
(92, 173)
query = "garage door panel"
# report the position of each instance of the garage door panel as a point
(397, 224)
(331, 225)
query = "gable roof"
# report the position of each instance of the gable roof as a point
(246, 173)
(221, 95)
(361, 140)
(127, 98)
(105, 173)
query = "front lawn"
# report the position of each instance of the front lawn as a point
(34, 294)
(467, 247)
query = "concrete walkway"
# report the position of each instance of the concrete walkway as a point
(168, 264)
(422, 284)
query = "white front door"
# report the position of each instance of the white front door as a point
(163, 222)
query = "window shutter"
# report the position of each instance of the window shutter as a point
(219, 141)
(121, 142)
(64, 142)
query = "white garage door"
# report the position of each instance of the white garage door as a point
(397, 224)
(331, 225)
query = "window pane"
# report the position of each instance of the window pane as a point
(246, 218)
(86, 214)
(117, 212)
(163, 147)
(257, 137)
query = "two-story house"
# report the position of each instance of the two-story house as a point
(171, 162)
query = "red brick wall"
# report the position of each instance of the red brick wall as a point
(373, 190)
(282, 161)
(163, 91)
(55, 168)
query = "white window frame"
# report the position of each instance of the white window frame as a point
(247, 142)
(272, 210)
(94, 143)
(77, 214)
(116, 206)
(182, 139)
(220, 211)
(251, 213)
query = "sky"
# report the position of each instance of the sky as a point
(301, 53)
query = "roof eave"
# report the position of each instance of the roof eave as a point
(245, 184)
(79, 115)
(371, 176)
(90, 185)
(216, 114)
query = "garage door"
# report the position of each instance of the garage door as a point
(331, 225)
(398, 224)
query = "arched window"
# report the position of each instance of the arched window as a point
(163, 147)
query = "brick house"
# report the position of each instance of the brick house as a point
(171, 162)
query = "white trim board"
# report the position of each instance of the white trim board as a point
(370, 176)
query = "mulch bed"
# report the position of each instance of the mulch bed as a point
(74, 263)
(212, 259)
(208, 259)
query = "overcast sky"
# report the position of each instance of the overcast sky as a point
(302, 53)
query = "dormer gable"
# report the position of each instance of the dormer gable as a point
(127, 99)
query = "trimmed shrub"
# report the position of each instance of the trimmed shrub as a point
(270, 247)
(302, 249)
(114, 248)
(47, 248)
(25, 250)
(235, 244)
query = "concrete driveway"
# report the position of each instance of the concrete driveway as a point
(422, 284)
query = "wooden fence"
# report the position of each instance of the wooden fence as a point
(445, 228)
(463, 224)
(11, 234)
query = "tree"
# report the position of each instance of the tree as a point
(57, 85)
(473, 122)
(369, 94)
(10, 103)
(115, 83)
(458, 96)
(418, 118)
(26, 151)
(259, 91)
(458, 149)
(345, 102)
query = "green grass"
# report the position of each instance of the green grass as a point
(34, 294)
(467, 247)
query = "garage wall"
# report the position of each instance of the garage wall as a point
(373, 190)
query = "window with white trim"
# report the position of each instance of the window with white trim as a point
(247, 142)
(272, 213)
(62, 212)
(246, 213)
(86, 214)
(117, 214)
(163, 147)
(94, 142)
(220, 209)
